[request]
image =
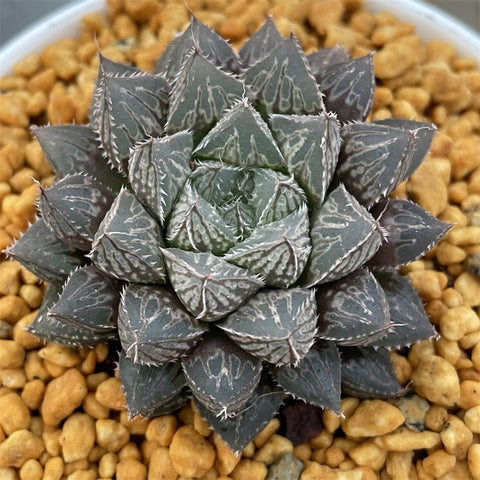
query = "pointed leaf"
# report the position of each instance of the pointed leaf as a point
(325, 58)
(209, 287)
(126, 110)
(348, 88)
(199, 36)
(316, 379)
(422, 135)
(158, 169)
(152, 390)
(127, 243)
(277, 326)
(261, 43)
(408, 318)
(278, 251)
(74, 207)
(344, 236)
(89, 302)
(48, 257)
(153, 326)
(200, 95)
(238, 431)
(368, 373)
(310, 145)
(410, 230)
(221, 375)
(197, 225)
(352, 310)
(241, 138)
(282, 82)
(72, 149)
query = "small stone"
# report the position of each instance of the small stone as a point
(110, 394)
(468, 285)
(19, 447)
(14, 414)
(192, 455)
(413, 409)
(456, 437)
(373, 418)
(62, 396)
(437, 380)
(111, 435)
(11, 354)
(78, 437)
(285, 468)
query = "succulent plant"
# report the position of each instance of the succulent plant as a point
(227, 223)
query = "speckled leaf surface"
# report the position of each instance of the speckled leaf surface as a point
(352, 310)
(261, 407)
(316, 379)
(408, 318)
(208, 286)
(241, 138)
(310, 145)
(71, 149)
(344, 236)
(153, 326)
(278, 326)
(221, 375)
(48, 257)
(152, 390)
(282, 82)
(74, 207)
(158, 169)
(368, 373)
(127, 243)
(411, 232)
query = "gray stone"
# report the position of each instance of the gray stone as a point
(287, 467)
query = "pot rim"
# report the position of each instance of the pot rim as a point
(430, 22)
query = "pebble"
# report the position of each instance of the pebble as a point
(405, 440)
(474, 461)
(14, 414)
(111, 435)
(192, 455)
(110, 394)
(11, 354)
(19, 447)
(413, 408)
(287, 467)
(78, 437)
(468, 285)
(437, 380)
(439, 463)
(63, 395)
(456, 437)
(372, 418)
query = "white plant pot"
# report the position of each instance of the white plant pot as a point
(431, 23)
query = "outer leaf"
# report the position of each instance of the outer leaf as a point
(197, 36)
(325, 58)
(221, 375)
(200, 95)
(52, 330)
(72, 149)
(344, 236)
(409, 321)
(352, 310)
(197, 225)
(44, 254)
(310, 145)
(279, 250)
(241, 138)
(316, 379)
(368, 373)
(153, 325)
(261, 43)
(127, 243)
(209, 287)
(89, 302)
(411, 232)
(348, 88)
(127, 109)
(152, 390)
(373, 159)
(282, 82)
(74, 207)
(238, 431)
(277, 326)
(421, 137)
(158, 169)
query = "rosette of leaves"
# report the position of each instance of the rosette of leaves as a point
(227, 220)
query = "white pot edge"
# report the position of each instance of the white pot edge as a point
(431, 23)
